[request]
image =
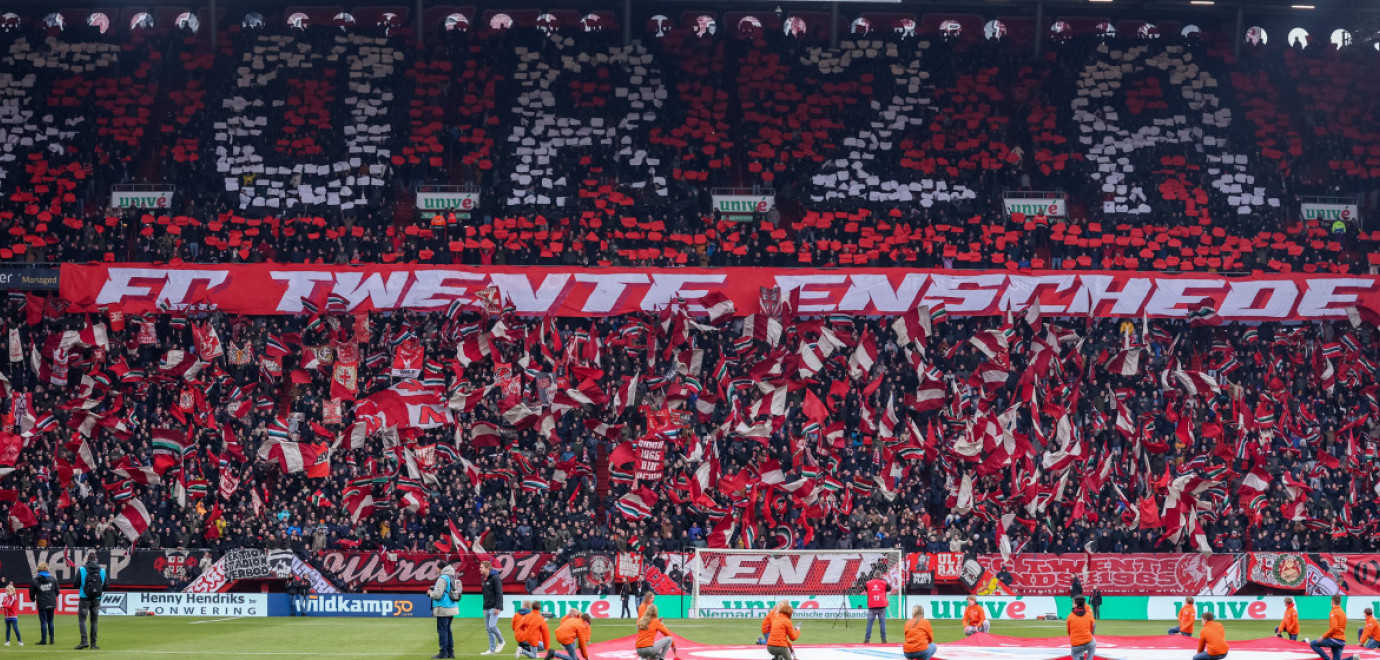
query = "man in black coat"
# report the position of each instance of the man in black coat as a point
(493, 606)
(44, 592)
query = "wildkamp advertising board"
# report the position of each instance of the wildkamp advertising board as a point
(263, 289)
(386, 606)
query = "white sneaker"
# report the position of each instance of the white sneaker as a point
(7, 643)
(517, 653)
(21, 643)
(500, 647)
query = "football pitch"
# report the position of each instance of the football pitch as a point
(284, 638)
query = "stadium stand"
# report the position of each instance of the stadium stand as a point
(309, 146)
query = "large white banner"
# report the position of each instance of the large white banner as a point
(1032, 206)
(142, 199)
(1331, 212)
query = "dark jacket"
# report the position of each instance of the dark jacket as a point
(44, 591)
(1076, 587)
(493, 591)
(80, 585)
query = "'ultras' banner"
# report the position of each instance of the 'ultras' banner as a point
(362, 570)
(535, 291)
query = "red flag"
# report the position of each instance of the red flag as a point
(22, 517)
(814, 408)
(10, 446)
(1149, 514)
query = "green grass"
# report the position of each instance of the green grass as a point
(285, 638)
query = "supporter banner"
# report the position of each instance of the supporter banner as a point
(142, 199)
(362, 570)
(19, 278)
(1278, 570)
(743, 206)
(431, 203)
(1033, 206)
(757, 605)
(1356, 575)
(590, 292)
(1330, 212)
(255, 564)
(1041, 574)
(158, 569)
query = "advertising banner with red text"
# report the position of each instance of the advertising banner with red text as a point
(590, 292)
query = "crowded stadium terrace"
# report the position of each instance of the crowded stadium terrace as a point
(516, 148)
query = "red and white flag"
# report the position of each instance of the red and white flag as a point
(291, 456)
(134, 520)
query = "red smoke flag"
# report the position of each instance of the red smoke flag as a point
(133, 520)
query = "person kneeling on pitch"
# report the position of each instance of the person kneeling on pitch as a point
(766, 622)
(445, 604)
(1212, 641)
(648, 646)
(974, 619)
(572, 634)
(783, 632)
(919, 636)
(1370, 631)
(530, 630)
(1081, 625)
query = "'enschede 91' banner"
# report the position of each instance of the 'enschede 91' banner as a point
(560, 291)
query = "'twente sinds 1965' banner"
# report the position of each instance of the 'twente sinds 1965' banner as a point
(536, 291)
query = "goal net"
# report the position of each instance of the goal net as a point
(819, 584)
